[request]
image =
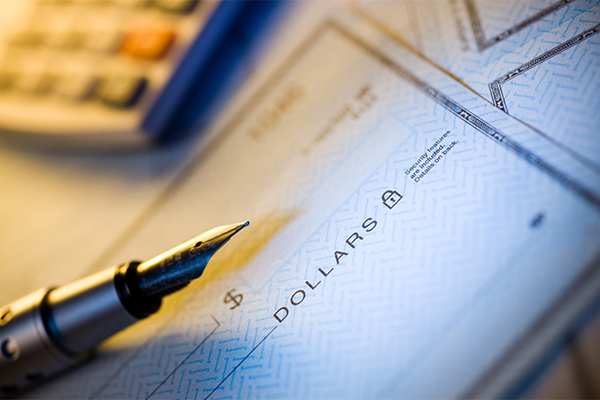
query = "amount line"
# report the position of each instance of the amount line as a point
(240, 363)
(187, 357)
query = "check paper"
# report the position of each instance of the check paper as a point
(408, 237)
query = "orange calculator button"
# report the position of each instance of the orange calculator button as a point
(149, 43)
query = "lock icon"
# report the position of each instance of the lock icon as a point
(391, 198)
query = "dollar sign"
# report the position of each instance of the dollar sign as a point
(237, 299)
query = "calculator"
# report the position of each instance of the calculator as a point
(109, 73)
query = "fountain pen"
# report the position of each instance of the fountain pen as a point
(54, 328)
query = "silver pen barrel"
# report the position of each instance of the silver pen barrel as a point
(54, 328)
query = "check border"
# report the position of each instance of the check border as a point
(477, 26)
(496, 85)
(471, 118)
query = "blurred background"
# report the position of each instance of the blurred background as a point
(103, 106)
(119, 74)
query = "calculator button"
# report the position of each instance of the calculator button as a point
(121, 90)
(60, 3)
(76, 87)
(38, 84)
(131, 3)
(6, 80)
(64, 40)
(94, 3)
(176, 6)
(27, 39)
(149, 43)
(103, 42)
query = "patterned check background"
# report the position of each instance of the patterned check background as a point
(415, 300)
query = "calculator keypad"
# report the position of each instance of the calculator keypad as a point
(92, 50)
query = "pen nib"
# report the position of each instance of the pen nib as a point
(175, 268)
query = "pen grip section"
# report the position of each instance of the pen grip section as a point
(132, 297)
(80, 315)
